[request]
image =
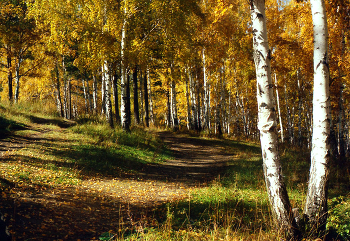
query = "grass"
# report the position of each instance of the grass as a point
(66, 156)
(233, 207)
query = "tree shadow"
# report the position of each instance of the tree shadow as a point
(51, 121)
(7, 127)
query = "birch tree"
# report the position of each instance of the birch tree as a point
(316, 201)
(123, 80)
(267, 124)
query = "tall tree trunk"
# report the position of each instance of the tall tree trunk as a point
(189, 122)
(289, 118)
(223, 98)
(107, 94)
(151, 114)
(276, 189)
(123, 81)
(316, 200)
(128, 99)
(168, 113)
(103, 96)
(279, 109)
(194, 103)
(341, 142)
(206, 92)
(229, 113)
(66, 88)
(65, 99)
(9, 77)
(146, 100)
(85, 96)
(18, 66)
(142, 109)
(300, 111)
(94, 93)
(58, 92)
(173, 102)
(88, 96)
(69, 91)
(199, 112)
(136, 97)
(116, 98)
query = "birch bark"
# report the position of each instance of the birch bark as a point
(206, 92)
(316, 200)
(189, 124)
(18, 76)
(107, 94)
(58, 92)
(94, 93)
(85, 96)
(267, 125)
(123, 81)
(279, 109)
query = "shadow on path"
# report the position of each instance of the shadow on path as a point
(195, 160)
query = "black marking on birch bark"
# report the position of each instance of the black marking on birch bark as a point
(259, 15)
(261, 54)
(263, 105)
(260, 91)
(325, 60)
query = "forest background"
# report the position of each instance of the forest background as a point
(187, 64)
(180, 64)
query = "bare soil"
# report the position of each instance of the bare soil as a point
(105, 204)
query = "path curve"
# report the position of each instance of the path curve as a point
(99, 205)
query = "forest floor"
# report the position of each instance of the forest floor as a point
(99, 203)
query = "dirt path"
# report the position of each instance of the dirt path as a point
(196, 161)
(101, 204)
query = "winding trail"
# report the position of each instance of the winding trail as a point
(101, 204)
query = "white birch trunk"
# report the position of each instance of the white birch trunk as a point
(189, 124)
(206, 92)
(94, 93)
(316, 200)
(173, 103)
(300, 111)
(18, 76)
(123, 81)
(267, 125)
(279, 109)
(193, 103)
(103, 89)
(107, 94)
(58, 92)
(85, 96)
